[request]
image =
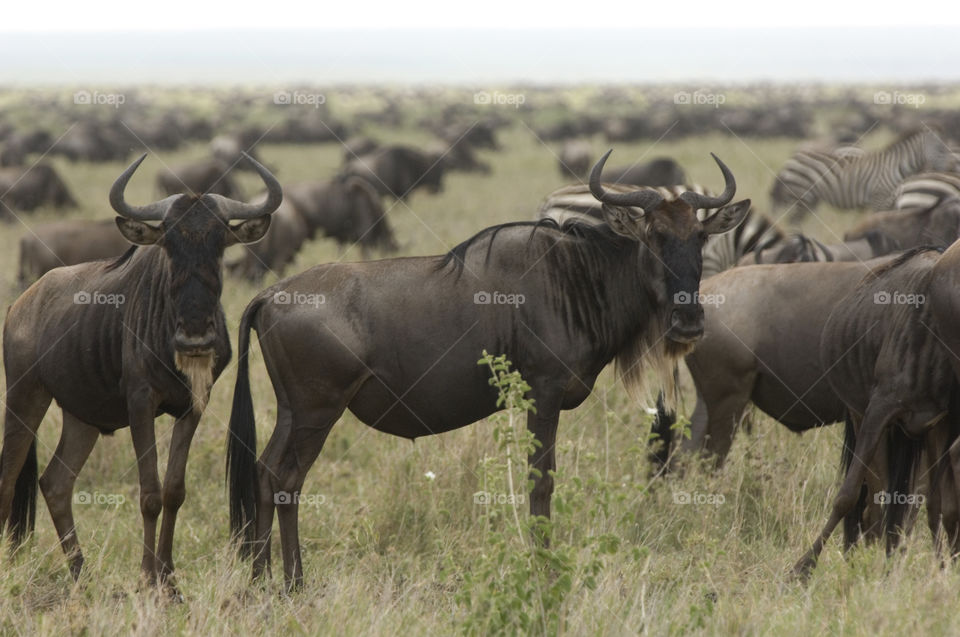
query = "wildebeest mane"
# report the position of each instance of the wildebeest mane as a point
(590, 234)
(587, 266)
(122, 259)
(883, 269)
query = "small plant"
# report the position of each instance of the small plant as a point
(519, 586)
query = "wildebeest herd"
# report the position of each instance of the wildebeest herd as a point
(859, 330)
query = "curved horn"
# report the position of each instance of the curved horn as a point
(697, 200)
(640, 198)
(150, 212)
(233, 209)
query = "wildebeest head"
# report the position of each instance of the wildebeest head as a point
(193, 232)
(674, 238)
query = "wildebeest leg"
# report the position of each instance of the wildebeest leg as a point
(151, 501)
(77, 440)
(719, 410)
(308, 431)
(880, 412)
(27, 402)
(174, 489)
(950, 498)
(271, 457)
(543, 425)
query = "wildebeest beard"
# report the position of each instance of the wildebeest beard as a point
(651, 355)
(199, 373)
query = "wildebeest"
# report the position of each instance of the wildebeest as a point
(662, 171)
(18, 145)
(574, 159)
(457, 157)
(229, 149)
(27, 189)
(911, 228)
(345, 208)
(203, 176)
(883, 358)
(560, 302)
(117, 343)
(398, 170)
(744, 357)
(287, 233)
(358, 146)
(59, 243)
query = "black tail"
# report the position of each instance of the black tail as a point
(903, 454)
(23, 512)
(242, 445)
(851, 522)
(661, 436)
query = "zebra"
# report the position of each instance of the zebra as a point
(927, 190)
(848, 179)
(721, 252)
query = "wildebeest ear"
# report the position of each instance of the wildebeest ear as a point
(250, 231)
(138, 232)
(727, 218)
(623, 220)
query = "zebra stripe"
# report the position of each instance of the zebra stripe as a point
(720, 252)
(849, 177)
(927, 190)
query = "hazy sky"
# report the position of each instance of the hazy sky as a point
(496, 41)
(113, 15)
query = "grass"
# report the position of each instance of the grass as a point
(387, 548)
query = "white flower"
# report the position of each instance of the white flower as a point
(430, 475)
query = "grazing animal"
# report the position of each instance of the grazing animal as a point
(582, 295)
(201, 177)
(927, 190)
(883, 359)
(850, 180)
(278, 248)
(911, 228)
(397, 170)
(662, 171)
(574, 159)
(798, 248)
(347, 209)
(59, 243)
(117, 343)
(28, 189)
(229, 149)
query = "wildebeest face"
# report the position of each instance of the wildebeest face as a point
(675, 239)
(194, 234)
